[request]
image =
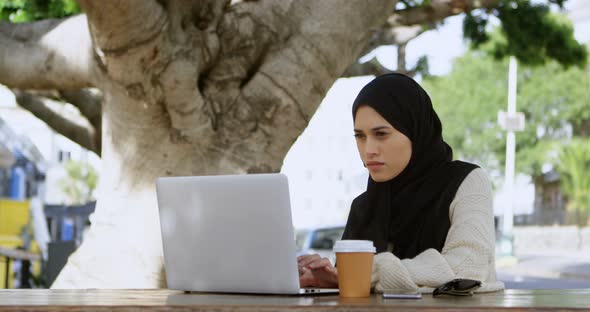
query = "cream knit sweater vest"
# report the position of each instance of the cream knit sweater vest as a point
(469, 250)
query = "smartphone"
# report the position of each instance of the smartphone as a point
(401, 294)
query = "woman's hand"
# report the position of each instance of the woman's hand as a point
(315, 271)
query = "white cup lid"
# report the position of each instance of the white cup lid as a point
(349, 245)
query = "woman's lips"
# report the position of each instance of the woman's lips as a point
(374, 165)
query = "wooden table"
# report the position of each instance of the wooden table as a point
(168, 300)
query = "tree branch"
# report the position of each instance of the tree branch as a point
(394, 36)
(401, 57)
(118, 26)
(48, 54)
(69, 126)
(372, 67)
(199, 15)
(88, 101)
(399, 36)
(29, 31)
(437, 11)
(405, 25)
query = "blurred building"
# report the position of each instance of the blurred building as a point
(32, 158)
(43, 143)
(549, 200)
(22, 167)
(323, 166)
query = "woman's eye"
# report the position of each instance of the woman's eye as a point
(380, 134)
(359, 135)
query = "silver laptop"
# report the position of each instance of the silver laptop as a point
(229, 233)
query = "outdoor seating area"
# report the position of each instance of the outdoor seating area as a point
(32, 258)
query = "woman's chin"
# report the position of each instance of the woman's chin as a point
(382, 176)
(379, 178)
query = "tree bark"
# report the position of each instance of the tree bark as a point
(220, 93)
(48, 54)
(118, 26)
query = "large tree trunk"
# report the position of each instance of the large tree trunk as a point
(224, 92)
(189, 88)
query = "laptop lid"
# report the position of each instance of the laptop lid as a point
(229, 233)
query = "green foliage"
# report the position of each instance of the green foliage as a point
(574, 166)
(80, 181)
(540, 35)
(32, 10)
(467, 101)
(422, 67)
(474, 28)
(405, 4)
(554, 101)
(552, 98)
(530, 32)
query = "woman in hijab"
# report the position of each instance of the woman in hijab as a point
(429, 217)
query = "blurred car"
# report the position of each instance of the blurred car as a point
(318, 241)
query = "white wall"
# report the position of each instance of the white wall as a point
(324, 169)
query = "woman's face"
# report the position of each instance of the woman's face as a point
(384, 150)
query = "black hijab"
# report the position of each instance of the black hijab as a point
(412, 209)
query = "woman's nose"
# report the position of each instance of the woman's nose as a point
(371, 148)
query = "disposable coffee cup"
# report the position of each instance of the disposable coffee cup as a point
(354, 259)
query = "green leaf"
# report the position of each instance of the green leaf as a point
(80, 181)
(574, 166)
(529, 31)
(31, 10)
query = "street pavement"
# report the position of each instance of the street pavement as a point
(545, 270)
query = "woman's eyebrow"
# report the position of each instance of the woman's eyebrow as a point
(380, 128)
(377, 128)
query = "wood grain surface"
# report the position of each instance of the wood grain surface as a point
(169, 300)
